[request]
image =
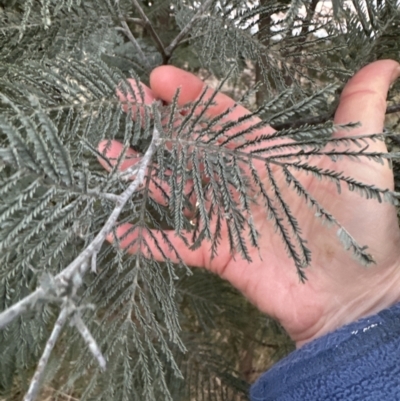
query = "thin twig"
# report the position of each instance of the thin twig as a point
(56, 392)
(94, 263)
(321, 119)
(18, 27)
(136, 21)
(129, 35)
(304, 121)
(169, 50)
(106, 195)
(81, 264)
(38, 376)
(153, 33)
(89, 340)
(306, 22)
(393, 109)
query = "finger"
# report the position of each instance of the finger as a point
(111, 150)
(364, 100)
(165, 80)
(157, 245)
(160, 190)
(135, 98)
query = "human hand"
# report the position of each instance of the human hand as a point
(339, 290)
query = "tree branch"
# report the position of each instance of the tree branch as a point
(89, 340)
(147, 24)
(81, 264)
(170, 49)
(38, 376)
(67, 308)
(129, 35)
(308, 19)
(136, 21)
(393, 109)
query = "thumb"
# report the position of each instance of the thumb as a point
(364, 100)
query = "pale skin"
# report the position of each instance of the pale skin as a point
(338, 290)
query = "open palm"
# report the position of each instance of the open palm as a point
(339, 289)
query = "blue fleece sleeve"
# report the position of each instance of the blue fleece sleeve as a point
(358, 362)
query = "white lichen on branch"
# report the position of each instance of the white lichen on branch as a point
(39, 373)
(72, 275)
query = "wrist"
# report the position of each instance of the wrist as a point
(377, 288)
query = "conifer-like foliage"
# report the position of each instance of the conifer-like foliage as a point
(84, 317)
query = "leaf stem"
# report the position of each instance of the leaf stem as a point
(321, 119)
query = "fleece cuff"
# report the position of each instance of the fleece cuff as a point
(357, 362)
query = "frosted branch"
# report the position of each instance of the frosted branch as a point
(76, 321)
(89, 340)
(104, 195)
(39, 373)
(94, 263)
(82, 263)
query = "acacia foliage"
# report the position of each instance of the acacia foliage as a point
(164, 333)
